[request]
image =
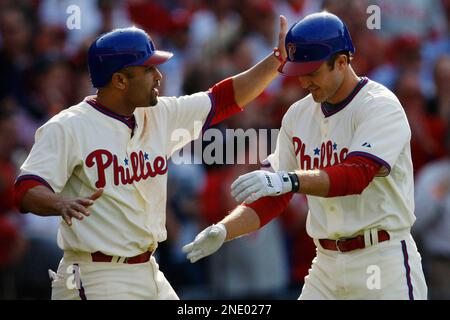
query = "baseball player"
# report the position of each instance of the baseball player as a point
(102, 165)
(347, 147)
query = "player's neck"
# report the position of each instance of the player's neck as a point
(115, 104)
(351, 80)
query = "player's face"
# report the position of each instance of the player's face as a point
(323, 83)
(142, 90)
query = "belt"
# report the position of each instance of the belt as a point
(345, 245)
(141, 258)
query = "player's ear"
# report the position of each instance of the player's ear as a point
(341, 61)
(119, 80)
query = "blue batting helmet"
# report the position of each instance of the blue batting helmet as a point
(313, 40)
(121, 48)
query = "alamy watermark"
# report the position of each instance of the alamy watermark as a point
(73, 21)
(373, 282)
(374, 20)
(228, 146)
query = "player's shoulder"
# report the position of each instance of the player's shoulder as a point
(166, 102)
(67, 117)
(378, 96)
(301, 109)
(434, 170)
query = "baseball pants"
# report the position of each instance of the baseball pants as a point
(78, 278)
(390, 270)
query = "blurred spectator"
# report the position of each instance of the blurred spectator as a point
(370, 46)
(262, 30)
(262, 24)
(50, 85)
(431, 51)
(42, 254)
(427, 131)
(152, 16)
(29, 252)
(432, 227)
(185, 185)
(95, 17)
(22, 120)
(15, 57)
(439, 105)
(179, 43)
(301, 248)
(425, 18)
(295, 10)
(213, 28)
(12, 244)
(402, 54)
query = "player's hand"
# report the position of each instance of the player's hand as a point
(206, 242)
(282, 36)
(77, 208)
(257, 184)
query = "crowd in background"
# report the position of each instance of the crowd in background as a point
(43, 70)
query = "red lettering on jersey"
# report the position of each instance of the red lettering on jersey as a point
(343, 154)
(297, 145)
(336, 159)
(160, 165)
(121, 174)
(326, 156)
(135, 166)
(322, 155)
(101, 163)
(305, 160)
(138, 169)
(142, 165)
(315, 163)
(329, 149)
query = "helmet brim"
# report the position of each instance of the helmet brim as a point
(296, 69)
(158, 57)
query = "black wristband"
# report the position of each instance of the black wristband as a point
(295, 182)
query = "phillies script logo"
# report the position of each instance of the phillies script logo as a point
(140, 167)
(326, 156)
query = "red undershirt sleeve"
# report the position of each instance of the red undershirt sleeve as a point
(223, 101)
(267, 208)
(22, 186)
(351, 176)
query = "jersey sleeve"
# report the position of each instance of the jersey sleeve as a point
(284, 157)
(381, 133)
(187, 117)
(52, 158)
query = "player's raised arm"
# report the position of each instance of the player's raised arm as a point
(251, 83)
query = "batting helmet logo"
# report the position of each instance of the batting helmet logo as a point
(291, 50)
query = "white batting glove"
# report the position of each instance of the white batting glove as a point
(257, 184)
(206, 242)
